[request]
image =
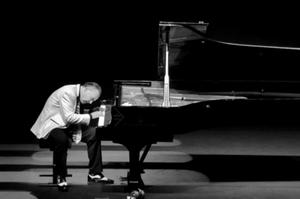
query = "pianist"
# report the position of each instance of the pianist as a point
(61, 123)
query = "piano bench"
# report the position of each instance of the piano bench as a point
(43, 144)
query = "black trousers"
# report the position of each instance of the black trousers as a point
(61, 140)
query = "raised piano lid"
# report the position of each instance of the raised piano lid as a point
(255, 77)
(202, 61)
(176, 35)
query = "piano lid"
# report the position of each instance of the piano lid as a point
(176, 36)
(175, 32)
(197, 55)
(202, 63)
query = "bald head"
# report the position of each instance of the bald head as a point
(90, 92)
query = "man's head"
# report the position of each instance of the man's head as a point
(90, 92)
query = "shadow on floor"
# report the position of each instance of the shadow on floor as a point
(43, 191)
(225, 168)
(218, 168)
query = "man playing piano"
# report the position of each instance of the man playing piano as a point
(61, 122)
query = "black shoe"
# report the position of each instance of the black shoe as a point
(62, 184)
(99, 178)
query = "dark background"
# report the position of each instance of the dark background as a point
(46, 46)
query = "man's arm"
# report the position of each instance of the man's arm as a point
(67, 104)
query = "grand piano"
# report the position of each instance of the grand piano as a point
(192, 93)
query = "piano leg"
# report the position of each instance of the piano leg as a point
(134, 178)
(147, 148)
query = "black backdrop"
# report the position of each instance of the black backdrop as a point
(46, 46)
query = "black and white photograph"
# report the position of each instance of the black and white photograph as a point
(160, 100)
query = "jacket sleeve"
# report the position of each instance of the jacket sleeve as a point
(67, 104)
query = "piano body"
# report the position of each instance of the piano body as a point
(145, 112)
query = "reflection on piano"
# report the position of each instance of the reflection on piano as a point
(140, 118)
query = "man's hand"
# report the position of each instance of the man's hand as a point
(105, 114)
(96, 114)
(76, 136)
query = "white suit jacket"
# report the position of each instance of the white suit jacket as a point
(59, 112)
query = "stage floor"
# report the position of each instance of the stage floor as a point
(212, 163)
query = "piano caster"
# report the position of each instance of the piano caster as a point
(132, 187)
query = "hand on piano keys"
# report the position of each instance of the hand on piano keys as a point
(105, 116)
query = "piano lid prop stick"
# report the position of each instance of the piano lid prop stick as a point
(166, 102)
